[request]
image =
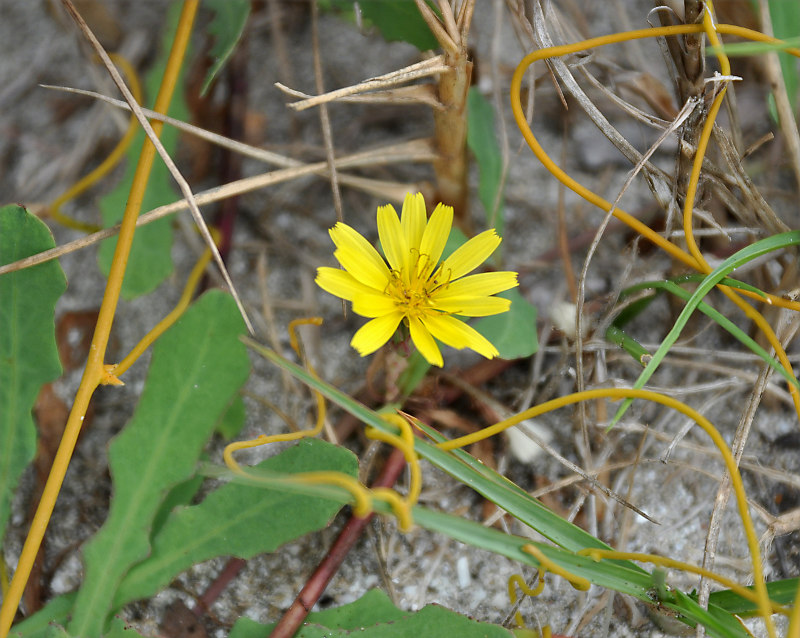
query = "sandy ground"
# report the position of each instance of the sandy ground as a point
(48, 139)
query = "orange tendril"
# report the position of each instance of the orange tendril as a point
(760, 588)
(183, 303)
(107, 164)
(694, 259)
(362, 496)
(516, 581)
(578, 582)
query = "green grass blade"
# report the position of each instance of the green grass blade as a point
(620, 338)
(782, 592)
(458, 464)
(747, 254)
(623, 576)
(614, 332)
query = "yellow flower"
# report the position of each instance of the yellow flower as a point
(413, 287)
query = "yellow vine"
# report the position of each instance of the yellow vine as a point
(695, 261)
(516, 581)
(760, 588)
(362, 496)
(96, 371)
(107, 164)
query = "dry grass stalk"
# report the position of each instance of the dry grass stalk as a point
(451, 121)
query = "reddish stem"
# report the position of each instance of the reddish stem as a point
(316, 584)
(228, 573)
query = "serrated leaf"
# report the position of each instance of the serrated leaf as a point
(513, 333)
(374, 616)
(482, 141)
(150, 261)
(239, 520)
(397, 20)
(226, 27)
(28, 354)
(197, 366)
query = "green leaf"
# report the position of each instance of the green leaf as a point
(197, 366)
(28, 354)
(785, 18)
(120, 629)
(180, 494)
(55, 611)
(513, 333)
(226, 27)
(458, 464)
(374, 616)
(232, 420)
(395, 19)
(239, 520)
(413, 375)
(482, 141)
(150, 261)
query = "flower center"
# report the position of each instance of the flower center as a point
(412, 290)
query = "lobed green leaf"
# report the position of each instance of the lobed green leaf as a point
(239, 520)
(374, 616)
(28, 353)
(198, 365)
(226, 27)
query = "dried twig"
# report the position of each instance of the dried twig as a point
(423, 69)
(417, 150)
(325, 120)
(182, 183)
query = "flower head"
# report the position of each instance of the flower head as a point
(411, 286)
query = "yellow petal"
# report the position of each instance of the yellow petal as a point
(459, 335)
(424, 342)
(480, 285)
(373, 334)
(436, 233)
(358, 257)
(468, 257)
(472, 306)
(413, 219)
(373, 304)
(392, 240)
(340, 283)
